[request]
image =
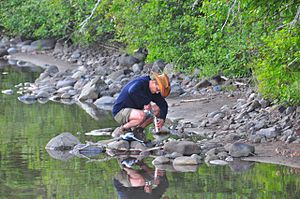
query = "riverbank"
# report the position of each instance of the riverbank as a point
(219, 110)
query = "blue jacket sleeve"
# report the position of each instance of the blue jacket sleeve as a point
(162, 104)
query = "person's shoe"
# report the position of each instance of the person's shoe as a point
(118, 132)
(140, 134)
(129, 162)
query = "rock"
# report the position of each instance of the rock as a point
(202, 84)
(173, 155)
(105, 102)
(239, 149)
(161, 160)
(119, 145)
(28, 48)
(76, 54)
(255, 104)
(3, 52)
(217, 88)
(176, 90)
(158, 66)
(90, 90)
(218, 162)
(290, 139)
(138, 146)
(169, 69)
(183, 147)
(64, 141)
(23, 43)
(7, 92)
(11, 51)
(27, 99)
(42, 94)
(127, 60)
(271, 132)
(44, 44)
(65, 82)
(185, 160)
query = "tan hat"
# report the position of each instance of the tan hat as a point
(163, 83)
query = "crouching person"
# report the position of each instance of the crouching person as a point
(138, 100)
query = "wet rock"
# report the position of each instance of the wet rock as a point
(161, 160)
(185, 160)
(218, 162)
(239, 149)
(66, 82)
(7, 92)
(64, 141)
(119, 145)
(183, 147)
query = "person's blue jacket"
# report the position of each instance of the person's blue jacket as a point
(136, 94)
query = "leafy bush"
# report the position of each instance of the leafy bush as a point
(278, 68)
(230, 37)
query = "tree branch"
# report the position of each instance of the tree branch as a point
(83, 24)
(228, 14)
(296, 19)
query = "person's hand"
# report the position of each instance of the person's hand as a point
(147, 107)
(160, 123)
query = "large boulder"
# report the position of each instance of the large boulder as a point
(64, 141)
(183, 147)
(239, 149)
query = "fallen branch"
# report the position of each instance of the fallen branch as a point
(194, 100)
(83, 24)
(296, 19)
(228, 14)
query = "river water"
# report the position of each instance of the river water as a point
(28, 171)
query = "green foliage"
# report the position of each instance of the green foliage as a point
(278, 69)
(233, 38)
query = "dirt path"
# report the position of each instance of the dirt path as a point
(42, 60)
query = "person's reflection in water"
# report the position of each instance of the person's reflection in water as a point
(141, 183)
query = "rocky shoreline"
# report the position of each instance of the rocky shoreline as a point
(221, 111)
